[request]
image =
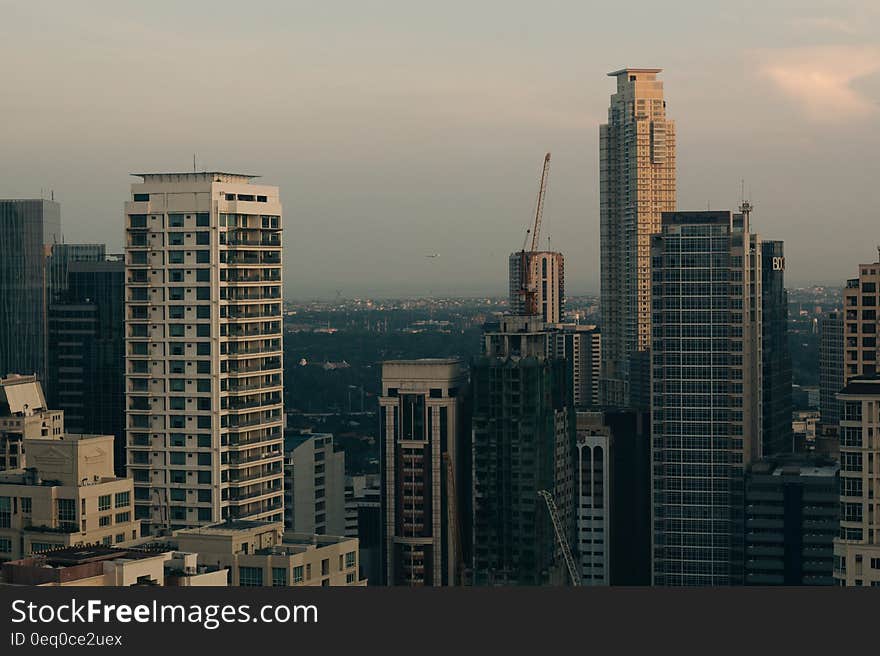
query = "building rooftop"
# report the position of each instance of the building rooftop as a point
(69, 556)
(797, 465)
(196, 176)
(862, 385)
(630, 69)
(228, 527)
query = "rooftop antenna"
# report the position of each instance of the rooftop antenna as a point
(194, 162)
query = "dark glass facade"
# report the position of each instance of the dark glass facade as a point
(87, 352)
(776, 358)
(28, 229)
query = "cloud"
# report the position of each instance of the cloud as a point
(820, 79)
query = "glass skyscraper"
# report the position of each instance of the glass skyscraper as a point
(706, 401)
(28, 230)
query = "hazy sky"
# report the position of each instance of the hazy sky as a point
(401, 128)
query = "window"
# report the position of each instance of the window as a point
(325, 567)
(350, 559)
(204, 459)
(203, 219)
(204, 441)
(203, 257)
(350, 577)
(104, 502)
(175, 220)
(205, 515)
(26, 505)
(204, 496)
(104, 520)
(250, 577)
(203, 293)
(123, 499)
(5, 545)
(298, 574)
(204, 478)
(279, 577)
(120, 537)
(67, 509)
(138, 220)
(203, 312)
(178, 494)
(178, 457)
(203, 238)
(140, 198)
(175, 257)
(6, 512)
(38, 547)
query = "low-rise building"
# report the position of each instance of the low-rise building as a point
(100, 566)
(67, 496)
(262, 554)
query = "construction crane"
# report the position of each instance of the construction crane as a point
(526, 290)
(452, 511)
(560, 537)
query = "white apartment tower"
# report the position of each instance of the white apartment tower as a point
(204, 417)
(636, 185)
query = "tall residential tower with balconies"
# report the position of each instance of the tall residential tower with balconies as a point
(636, 185)
(204, 418)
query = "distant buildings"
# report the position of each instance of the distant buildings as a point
(706, 402)
(544, 287)
(636, 184)
(791, 521)
(314, 485)
(423, 459)
(831, 366)
(523, 443)
(28, 231)
(204, 353)
(857, 549)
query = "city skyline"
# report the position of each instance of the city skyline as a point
(784, 99)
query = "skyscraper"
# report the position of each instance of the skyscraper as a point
(776, 375)
(545, 287)
(87, 352)
(831, 366)
(706, 401)
(857, 547)
(523, 443)
(636, 184)
(423, 455)
(203, 349)
(28, 230)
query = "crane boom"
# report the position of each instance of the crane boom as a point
(539, 207)
(560, 537)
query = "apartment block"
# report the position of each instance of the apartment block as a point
(581, 348)
(203, 349)
(423, 456)
(857, 547)
(314, 484)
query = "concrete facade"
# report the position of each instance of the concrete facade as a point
(314, 485)
(203, 349)
(546, 281)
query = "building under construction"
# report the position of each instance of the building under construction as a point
(523, 443)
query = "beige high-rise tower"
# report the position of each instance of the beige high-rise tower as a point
(204, 415)
(636, 184)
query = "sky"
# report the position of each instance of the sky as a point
(401, 128)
